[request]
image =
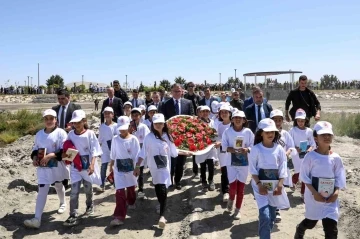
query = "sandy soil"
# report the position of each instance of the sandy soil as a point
(191, 213)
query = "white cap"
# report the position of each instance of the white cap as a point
(300, 114)
(232, 90)
(152, 107)
(198, 108)
(49, 112)
(323, 127)
(136, 110)
(225, 107)
(158, 118)
(267, 125)
(108, 109)
(142, 107)
(276, 113)
(128, 103)
(204, 107)
(214, 106)
(77, 116)
(123, 123)
(239, 113)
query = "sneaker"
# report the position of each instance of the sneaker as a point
(62, 208)
(32, 223)
(205, 186)
(225, 197)
(230, 205)
(141, 194)
(71, 221)
(216, 163)
(116, 222)
(237, 214)
(89, 211)
(278, 217)
(132, 207)
(158, 209)
(162, 222)
(211, 186)
(178, 186)
(102, 188)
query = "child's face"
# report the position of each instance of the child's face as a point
(135, 116)
(151, 113)
(79, 126)
(158, 126)
(108, 115)
(224, 114)
(127, 108)
(124, 133)
(200, 114)
(324, 140)
(143, 112)
(268, 137)
(205, 114)
(278, 121)
(49, 121)
(301, 123)
(238, 121)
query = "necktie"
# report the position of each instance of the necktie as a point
(136, 102)
(62, 118)
(110, 102)
(259, 113)
(176, 107)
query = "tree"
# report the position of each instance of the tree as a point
(165, 84)
(155, 84)
(141, 87)
(180, 80)
(55, 80)
(329, 81)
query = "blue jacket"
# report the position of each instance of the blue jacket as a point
(249, 101)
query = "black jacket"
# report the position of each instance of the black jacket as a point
(71, 108)
(168, 108)
(117, 106)
(251, 116)
(238, 104)
(122, 95)
(296, 98)
(195, 99)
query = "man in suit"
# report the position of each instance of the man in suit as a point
(191, 95)
(136, 101)
(115, 103)
(120, 93)
(155, 101)
(208, 99)
(250, 100)
(177, 106)
(258, 110)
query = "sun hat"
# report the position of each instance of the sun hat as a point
(204, 107)
(136, 110)
(323, 127)
(123, 123)
(49, 112)
(77, 116)
(128, 103)
(214, 106)
(233, 90)
(225, 107)
(108, 109)
(276, 113)
(238, 113)
(142, 107)
(300, 114)
(152, 107)
(158, 118)
(267, 125)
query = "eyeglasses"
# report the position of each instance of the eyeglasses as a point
(191, 86)
(177, 91)
(116, 84)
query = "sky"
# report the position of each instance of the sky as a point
(151, 40)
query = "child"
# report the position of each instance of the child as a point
(143, 112)
(158, 149)
(127, 109)
(237, 165)
(322, 164)
(208, 158)
(124, 150)
(224, 123)
(87, 144)
(107, 131)
(301, 133)
(140, 132)
(51, 168)
(267, 161)
(151, 111)
(288, 144)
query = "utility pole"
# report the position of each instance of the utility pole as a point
(220, 78)
(235, 74)
(126, 85)
(38, 76)
(82, 79)
(28, 85)
(31, 81)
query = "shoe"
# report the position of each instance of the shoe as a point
(62, 208)
(178, 186)
(158, 209)
(278, 217)
(211, 186)
(141, 194)
(205, 186)
(132, 207)
(225, 197)
(116, 222)
(162, 222)
(71, 221)
(230, 205)
(300, 233)
(216, 163)
(102, 188)
(237, 214)
(32, 223)
(89, 211)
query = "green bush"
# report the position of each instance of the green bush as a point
(344, 123)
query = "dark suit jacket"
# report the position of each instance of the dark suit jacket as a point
(117, 106)
(71, 108)
(202, 101)
(251, 116)
(168, 108)
(249, 101)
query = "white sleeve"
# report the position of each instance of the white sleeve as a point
(251, 139)
(173, 150)
(225, 140)
(289, 144)
(142, 151)
(62, 139)
(253, 161)
(36, 146)
(340, 177)
(95, 148)
(282, 162)
(113, 149)
(146, 130)
(101, 134)
(312, 142)
(136, 149)
(305, 169)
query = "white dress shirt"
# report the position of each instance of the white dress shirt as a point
(261, 111)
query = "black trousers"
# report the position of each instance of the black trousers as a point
(210, 164)
(141, 179)
(329, 225)
(177, 168)
(161, 194)
(195, 166)
(224, 180)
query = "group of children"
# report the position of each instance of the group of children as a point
(133, 143)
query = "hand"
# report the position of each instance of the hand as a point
(45, 160)
(111, 169)
(277, 190)
(136, 171)
(64, 155)
(319, 198)
(287, 118)
(333, 197)
(317, 117)
(91, 169)
(298, 149)
(68, 128)
(244, 150)
(217, 145)
(35, 163)
(262, 189)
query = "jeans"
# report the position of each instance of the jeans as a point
(141, 179)
(224, 180)
(104, 167)
(267, 217)
(329, 225)
(161, 194)
(74, 196)
(177, 168)
(237, 188)
(195, 166)
(122, 199)
(211, 168)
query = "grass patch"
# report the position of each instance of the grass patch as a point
(21, 123)
(344, 123)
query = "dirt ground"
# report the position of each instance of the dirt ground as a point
(191, 212)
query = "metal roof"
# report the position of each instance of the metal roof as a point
(270, 73)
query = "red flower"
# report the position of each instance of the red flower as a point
(177, 142)
(192, 147)
(208, 141)
(201, 146)
(189, 134)
(191, 141)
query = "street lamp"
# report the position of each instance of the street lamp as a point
(235, 74)
(126, 85)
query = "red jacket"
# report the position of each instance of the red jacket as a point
(68, 144)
